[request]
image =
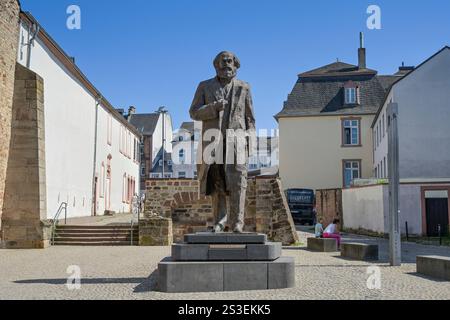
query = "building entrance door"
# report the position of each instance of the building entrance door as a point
(437, 214)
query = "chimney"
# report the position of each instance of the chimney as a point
(361, 52)
(131, 110)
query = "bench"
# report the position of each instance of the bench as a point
(434, 266)
(322, 245)
(359, 251)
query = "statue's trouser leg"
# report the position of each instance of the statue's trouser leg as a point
(237, 183)
(219, 207)
(218, 197)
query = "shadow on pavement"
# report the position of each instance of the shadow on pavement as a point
(144, 284)
(419, 275)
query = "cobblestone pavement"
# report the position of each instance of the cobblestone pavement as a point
(129, 273)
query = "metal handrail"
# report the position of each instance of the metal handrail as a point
(62, 207)
(134, 214)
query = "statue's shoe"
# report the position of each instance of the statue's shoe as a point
(219, 228)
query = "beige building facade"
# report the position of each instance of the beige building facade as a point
(312, 153)
(325, 125)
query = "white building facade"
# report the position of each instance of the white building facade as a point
(91, 151)
(184, 150)
(423, 99)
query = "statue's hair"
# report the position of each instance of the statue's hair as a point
(237, 63)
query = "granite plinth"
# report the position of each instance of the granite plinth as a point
(211, 276)
(224, 238)
(268, 251)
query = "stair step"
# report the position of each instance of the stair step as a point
(96, 231)
(103, 243)
(126, 227)
(94, 234)
(100, 237)
(90, 239)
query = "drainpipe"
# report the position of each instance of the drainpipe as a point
(98, 101)
(36, 29)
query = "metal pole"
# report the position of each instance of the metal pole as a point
(394, 182)
(163, 142)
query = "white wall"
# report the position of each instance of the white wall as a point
(423, 99)
(69, 136)
(364, 208)
(368, 208)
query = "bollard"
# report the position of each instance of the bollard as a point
(440, 234)
(407, 233)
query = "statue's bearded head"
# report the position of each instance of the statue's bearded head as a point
(226, 64)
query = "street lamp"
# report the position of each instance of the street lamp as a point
(162, 111)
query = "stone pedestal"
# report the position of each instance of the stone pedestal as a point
(208, 262)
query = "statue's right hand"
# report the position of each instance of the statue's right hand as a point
(219, 105)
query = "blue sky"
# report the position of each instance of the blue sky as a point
(151, 53)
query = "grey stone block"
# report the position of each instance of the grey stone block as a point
(434, 266)
(359, 251)
(190, 276)
(281, 273)
(205, 237)
(190, 252)
(222, 238)
(268, 251)
(245, 276)
(246, 238)
(213, 276)
(322, 245)
(227, 254)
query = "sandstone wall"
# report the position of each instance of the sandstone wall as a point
(9, 39)
(329, 205)
(24, 208)
(266, 208)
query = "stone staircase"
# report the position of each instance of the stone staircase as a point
(115, 235)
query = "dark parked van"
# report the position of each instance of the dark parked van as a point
(301, 203)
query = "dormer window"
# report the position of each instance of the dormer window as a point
(351, 91)
(350, 95)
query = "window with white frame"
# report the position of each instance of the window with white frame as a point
(155, 175)
(350, 95)
(182, 174)
(109, 129)
(102, 180)
(167, 175)
(352, 170)
(181, 156)
(160, 163)
(351, 130)
(124, 187)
